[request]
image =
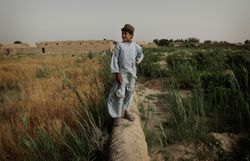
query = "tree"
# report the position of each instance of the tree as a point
(18, 42)
(207, 42)
(179, 40)
(193, 40)
(164, 42)
(247, 42)
(156, 41)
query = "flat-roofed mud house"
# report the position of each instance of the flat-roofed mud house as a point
(8, 49)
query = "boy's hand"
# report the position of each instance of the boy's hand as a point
(118, 78)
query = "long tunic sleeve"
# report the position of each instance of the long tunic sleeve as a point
(114, 61)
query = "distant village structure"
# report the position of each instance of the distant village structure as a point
(62, 47)
(17, 48)
(58, 47)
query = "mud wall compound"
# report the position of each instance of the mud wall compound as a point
(58, 47)
(17, 48)
(26, 50)
(63, 47)
(75, 46)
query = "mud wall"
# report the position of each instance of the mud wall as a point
(58, 47)
(75, 46)
(29, 50)
(127, 139)
(8, 49)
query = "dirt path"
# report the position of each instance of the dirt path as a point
(153, 112)
(152, 96)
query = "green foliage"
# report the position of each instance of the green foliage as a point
(208, 42)
(193, 39)
(153, 137)
(209, 61)
(175, 60)
(18, 42)
(239, 63)
(149, 67)
(41, 147)
(90, 55)
(42, 72)
(221, 78)
(189, 120)
(247, 42)
(164, 42)
(227, 101)
(184, 74)
(105, 72)
(156, 41)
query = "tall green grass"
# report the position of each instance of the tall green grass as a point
(219, 88)
(189, 120)
(154, 137)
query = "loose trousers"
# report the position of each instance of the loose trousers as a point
(120, 97)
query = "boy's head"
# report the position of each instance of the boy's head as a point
(127, 32)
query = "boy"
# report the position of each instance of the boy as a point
(123, 65)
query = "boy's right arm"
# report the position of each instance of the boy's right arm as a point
(114, 60)
(115, 64)
(118, 78)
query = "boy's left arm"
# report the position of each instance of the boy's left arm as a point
(140, 54)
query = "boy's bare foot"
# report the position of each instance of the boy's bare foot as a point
(129, 116)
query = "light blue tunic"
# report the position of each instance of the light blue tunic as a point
(125, 56)
(124, 59)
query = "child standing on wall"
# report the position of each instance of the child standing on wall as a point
(123, 65)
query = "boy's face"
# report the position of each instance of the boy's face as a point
(126, 36)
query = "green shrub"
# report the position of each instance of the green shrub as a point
(209, 61)
(229, 103)
(149, 67)
(183, 73)
(42, 72)
(175, 60)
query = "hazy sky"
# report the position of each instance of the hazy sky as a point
(39, 20)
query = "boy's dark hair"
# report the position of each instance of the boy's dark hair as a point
(128, 28)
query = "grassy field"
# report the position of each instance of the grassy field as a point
(53, 107)
(218, 84)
